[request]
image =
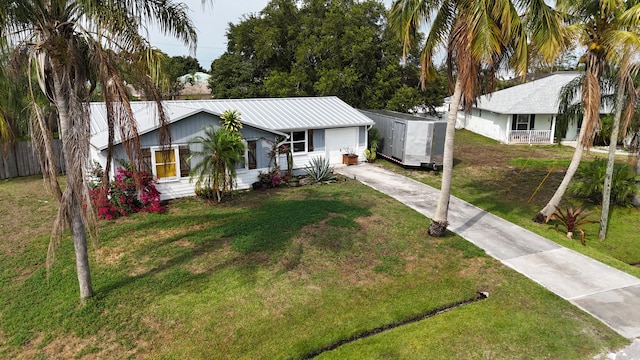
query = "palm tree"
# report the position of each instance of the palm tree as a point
(603, 27)
(625, 92)
(231, 121)
(479, 37)
(221, 150)
(72, 46)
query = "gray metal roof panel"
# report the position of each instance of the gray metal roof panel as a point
(399, 115)
(271, 114)
(535, 97)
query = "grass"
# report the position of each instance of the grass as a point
(515, 182)
(273, 275)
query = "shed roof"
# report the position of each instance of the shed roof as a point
(271, 114)
(399, 115)
(536, 97)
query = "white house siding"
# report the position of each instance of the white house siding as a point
(572, 132)
(486, 123)
(339, 139)
(183, 187)
(498, 126)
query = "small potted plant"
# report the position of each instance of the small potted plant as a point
(370, 155)
(349, 157)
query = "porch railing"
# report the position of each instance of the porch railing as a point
(530, 137)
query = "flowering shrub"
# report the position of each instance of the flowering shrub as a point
(122, 197)
(270, 179)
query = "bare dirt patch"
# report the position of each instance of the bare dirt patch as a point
(103, 346)
(109, 256)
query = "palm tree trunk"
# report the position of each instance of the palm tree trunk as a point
(606, 191)
(550, 208)
(78, 229)
(439, 221)
(79, 234)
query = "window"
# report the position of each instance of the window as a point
(309, 140)
(185, 165)
(166, 164)
(301, 141)
(522, 122)
(250, 161)
(298, 141)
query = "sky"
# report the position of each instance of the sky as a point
(211, 22)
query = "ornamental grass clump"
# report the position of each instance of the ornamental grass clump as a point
(319, 169)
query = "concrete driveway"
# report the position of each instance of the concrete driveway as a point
(610, 295)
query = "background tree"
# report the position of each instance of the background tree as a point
(316, 47)
(72, 46)
(601, 27)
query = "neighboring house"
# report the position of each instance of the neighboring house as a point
(311, 126)
(522, 114)
(195, 85)
(197, 77)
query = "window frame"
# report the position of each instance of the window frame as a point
(153, 150)
(246, 163)
(523, 119)
(307, 141)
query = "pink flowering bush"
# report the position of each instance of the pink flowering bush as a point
(270, 179)
(122, 197)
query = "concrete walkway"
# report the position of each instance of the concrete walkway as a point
(610, 295)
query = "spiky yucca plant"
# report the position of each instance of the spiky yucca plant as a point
(572, 220)
(319, 169)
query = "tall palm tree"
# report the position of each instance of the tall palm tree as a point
(603, 27)
(625, 101)
(72, 46)
(221, 149)
(480, 37)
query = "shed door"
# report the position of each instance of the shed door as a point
(336, 140)
(397, 141)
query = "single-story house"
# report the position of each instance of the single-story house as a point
(310, 126)
(522, 114)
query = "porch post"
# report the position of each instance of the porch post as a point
(553, 129)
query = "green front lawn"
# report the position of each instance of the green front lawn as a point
(277, 274)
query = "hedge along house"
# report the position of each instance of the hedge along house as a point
(522, 114)
(310, 126)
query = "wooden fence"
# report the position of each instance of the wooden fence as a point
(21, 160)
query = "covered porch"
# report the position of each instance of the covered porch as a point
(525, 129)
(531, 137)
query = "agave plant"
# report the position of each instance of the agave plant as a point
(319, 169)
(572, 220)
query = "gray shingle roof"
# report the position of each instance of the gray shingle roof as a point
(535, 97)
(273, 114)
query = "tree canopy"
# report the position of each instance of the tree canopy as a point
(319, 48)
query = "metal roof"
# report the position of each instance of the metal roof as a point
(399, 115)
(536, 97)
(271, 114)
